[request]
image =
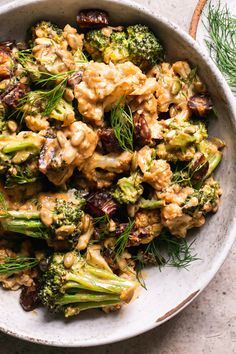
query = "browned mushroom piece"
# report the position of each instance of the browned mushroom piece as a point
(109, 141)
(51, 163)
(142, 132)
(199, 167)
(201, 105)
(92, 18)
(13, 95)
(75, 79)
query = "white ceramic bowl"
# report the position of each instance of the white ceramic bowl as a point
(168, 291)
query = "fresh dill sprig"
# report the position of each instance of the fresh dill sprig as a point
(21, 177)
(101, 223)
(82, 57)
(50, 98)
(222, 40)
(182, 178)
(139, 269)
(11, 265)
(24, 55)
(101, 219)
(48, 77)
(171, 251)
(123, 125)
(53, 96)
(181, 175)
(122, 240)
(191, 77)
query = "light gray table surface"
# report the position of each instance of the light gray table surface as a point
(208, 325)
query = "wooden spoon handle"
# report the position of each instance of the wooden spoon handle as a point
(195, 18)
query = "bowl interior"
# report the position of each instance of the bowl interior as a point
(167, 291)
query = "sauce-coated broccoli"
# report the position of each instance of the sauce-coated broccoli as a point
(71, 285)
(135, 43)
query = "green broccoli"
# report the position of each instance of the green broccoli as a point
(128, 189)
(25, 173)
(117, 51)
(95, 44)
(150, 203)
(63, 112)
(61, 223)
(135, 43)
(19, 148)
(211, 152)
(180, 140)
(144, 48)
(48, 103)
(47, 29)
(204, 200)
(71, 285)
(17, 157)
(179, 136)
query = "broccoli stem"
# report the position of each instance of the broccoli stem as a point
(107, 275)
(214, 161)
(86, 297)
(98, 280)
(88, 282)
(74, 310)
(31, 228)
(23, 222)
(150, 204)
(18, 146)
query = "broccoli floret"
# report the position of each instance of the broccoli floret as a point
(144, 48)
(180, 136)
(129, 189)
(63, 112)
(22, 174)
(46, 29)
(71, 285)
(96, 43)
(37, 104)
(180, 140)
(136, 44)
(118, 50)
(16, 157)
(16, 149)
(65, 216)
(204, 200)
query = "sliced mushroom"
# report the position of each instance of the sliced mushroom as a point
(201, 105)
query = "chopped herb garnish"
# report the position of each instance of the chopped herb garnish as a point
(222, 40)
(123, 126)
(11, 265)
(122, 240)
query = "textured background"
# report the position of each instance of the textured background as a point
(209, 324)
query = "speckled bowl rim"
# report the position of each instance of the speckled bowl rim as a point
(231, 235)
